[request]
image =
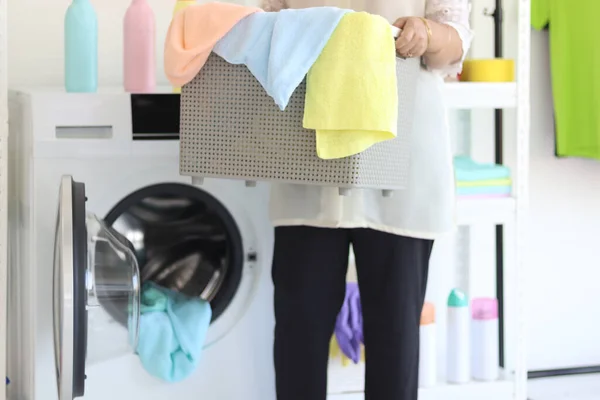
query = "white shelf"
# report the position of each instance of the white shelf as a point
(470, 95)
(498, 390)
(486, 211)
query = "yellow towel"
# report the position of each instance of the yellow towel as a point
(351, 93)
(489, 182)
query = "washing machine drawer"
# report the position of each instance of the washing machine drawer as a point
(96, 291)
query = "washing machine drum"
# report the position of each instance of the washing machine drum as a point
(96, 292)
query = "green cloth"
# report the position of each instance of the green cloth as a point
(575, 61)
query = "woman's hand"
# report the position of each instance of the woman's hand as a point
(414, 38)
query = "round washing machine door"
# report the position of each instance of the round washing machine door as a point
(187, 241)
(96, 291)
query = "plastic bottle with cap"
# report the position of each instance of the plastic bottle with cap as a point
(485, 339)
(81, 48)
(427, 348)
(458, 338)
(139, 33)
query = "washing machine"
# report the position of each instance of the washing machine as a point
(97, 207)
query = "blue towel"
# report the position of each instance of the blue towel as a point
(279, 48)
(467, 170)
(484, 190)
(173, 328)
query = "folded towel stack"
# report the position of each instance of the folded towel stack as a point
(478, 180)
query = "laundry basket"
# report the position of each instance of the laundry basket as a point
(231, 128)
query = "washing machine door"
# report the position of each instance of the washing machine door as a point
(96, 295)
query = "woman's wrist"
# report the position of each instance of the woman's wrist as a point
(441, 37)
(445, 47)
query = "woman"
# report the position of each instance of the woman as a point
(392, 237)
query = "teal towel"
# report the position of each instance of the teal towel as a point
(467, 170)
(482, 190)
(173, 329)
(279, 48)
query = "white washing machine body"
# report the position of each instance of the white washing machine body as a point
(88, 138)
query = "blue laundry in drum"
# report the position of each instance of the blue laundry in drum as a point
(173, 330)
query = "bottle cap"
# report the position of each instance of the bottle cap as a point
(428, 314)
(458, 298)
(484, 308)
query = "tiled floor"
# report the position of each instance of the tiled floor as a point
(580, 387)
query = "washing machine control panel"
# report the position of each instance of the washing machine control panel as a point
(155, 116)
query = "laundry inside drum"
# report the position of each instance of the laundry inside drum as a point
(184, 240)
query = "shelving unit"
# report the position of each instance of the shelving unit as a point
(501, 389)
(471, 95)
(492, 211)
(509, 212)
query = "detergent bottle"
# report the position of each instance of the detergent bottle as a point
(139, 32)
(81, 47)
(427, 347)
(485, 339)
(458, 345)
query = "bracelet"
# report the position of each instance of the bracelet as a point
(429, 32)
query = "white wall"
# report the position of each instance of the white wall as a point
(563, 274)
(563, 278)
(35, 31)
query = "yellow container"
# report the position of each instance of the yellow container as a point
(490, 70)
(180, 5)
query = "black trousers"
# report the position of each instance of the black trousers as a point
(309, 273)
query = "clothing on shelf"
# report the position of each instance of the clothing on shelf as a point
(173, 329)
(468, 170)
(483, 190)
(574, 71)
(479, 180)
(484, 183)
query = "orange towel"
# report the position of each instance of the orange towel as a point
(192, 35)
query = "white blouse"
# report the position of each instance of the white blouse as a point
(426, 208)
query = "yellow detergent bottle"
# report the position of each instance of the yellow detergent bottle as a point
(180, 5)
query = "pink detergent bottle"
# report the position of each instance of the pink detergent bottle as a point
(139, 48)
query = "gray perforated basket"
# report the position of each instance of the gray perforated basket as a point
(231, 128)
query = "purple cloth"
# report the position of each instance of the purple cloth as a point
(349, 324)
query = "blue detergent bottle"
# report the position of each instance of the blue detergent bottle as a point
(81, 47)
